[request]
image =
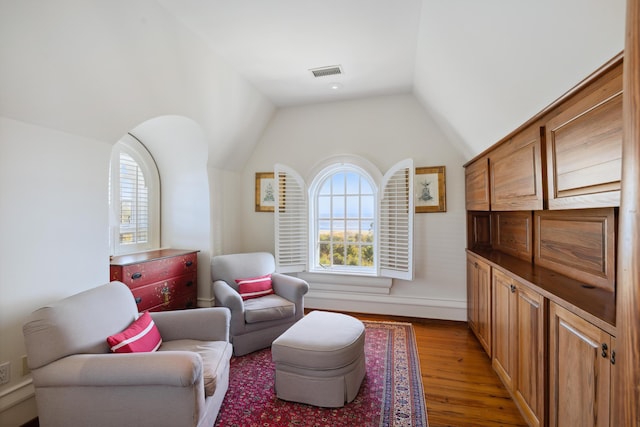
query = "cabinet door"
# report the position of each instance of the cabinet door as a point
(528, 383)
(516, 172)
(504, 327)
(584, 146)
(477, 185)
(479, 300)
(579, 371)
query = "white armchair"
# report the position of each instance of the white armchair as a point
(256, 322)
(79, 383)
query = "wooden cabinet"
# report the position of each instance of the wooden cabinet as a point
(477, 185)
(580, 364)
(516, 172)
(519, 344)
(479, 300)
(165, 279)
(584, 145)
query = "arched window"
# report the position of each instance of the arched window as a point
(343, 217)
(134, 198)
(351, 219)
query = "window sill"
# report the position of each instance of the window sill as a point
(340, 282)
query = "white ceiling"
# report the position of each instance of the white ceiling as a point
(274, 43)
(480, 68)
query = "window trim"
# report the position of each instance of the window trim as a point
(141, 155)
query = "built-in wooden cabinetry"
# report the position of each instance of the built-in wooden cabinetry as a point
(479, 296)
(542, 207)
(516, 172)
(581, 358)
(519, 343)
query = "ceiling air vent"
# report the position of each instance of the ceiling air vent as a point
(326, 71)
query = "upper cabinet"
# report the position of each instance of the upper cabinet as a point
(516, 172)
(477, 185)
(584, 145)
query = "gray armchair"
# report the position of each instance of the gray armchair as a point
(79, 383)
(255, 323)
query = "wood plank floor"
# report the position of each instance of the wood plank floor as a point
(461, 389)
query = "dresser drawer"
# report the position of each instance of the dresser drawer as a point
(145, 273)
(163, 293)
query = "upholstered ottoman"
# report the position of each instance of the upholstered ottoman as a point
(320, 360)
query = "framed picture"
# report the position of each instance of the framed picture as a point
(265, 192)
(430, 191)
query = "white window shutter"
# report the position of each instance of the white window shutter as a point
(291, 220)
(395, 245)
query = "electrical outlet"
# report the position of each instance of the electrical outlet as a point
(5, 372)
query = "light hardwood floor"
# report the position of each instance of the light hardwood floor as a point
(461, 389)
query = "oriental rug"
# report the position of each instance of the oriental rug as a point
(391, 393)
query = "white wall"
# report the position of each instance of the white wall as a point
(54, 232)
(180, 151)
(384, 130)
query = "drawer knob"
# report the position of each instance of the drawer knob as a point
(137, 275)
(138, 300)
(189, 283)
(188, 263)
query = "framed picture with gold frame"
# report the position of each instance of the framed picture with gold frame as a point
(430, 191)
(265, 192)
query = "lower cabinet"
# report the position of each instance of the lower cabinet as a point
(479, 300)
(519, 344)
(580, 362)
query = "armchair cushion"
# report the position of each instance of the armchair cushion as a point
(141, 336)
(215, 358)
(255, 287)
(270, 307)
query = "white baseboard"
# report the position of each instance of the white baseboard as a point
(428, 308)
(18, 393)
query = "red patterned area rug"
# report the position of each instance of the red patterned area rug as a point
(391, 393)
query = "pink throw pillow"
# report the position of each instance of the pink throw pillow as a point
(141, 336)
(254, 287)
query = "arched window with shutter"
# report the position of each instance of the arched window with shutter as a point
(134, 198)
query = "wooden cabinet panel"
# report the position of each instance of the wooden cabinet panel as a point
(516, 172)
(529, 381)
(160, 280)
(477, 185)
(579, 244)
(513, 233)
(479, 300)
(584, 146)
(579, 371)
(504, 327)
(519, 344)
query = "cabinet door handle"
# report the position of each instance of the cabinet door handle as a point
(135, 276)
(613, 357)
(513, 289)
(605, 347)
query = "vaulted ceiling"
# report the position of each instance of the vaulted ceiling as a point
(480, 68)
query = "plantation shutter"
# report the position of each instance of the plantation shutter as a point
(291, 221)
(134, 202)
(395, 243)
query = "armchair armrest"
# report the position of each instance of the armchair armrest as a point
(289, 287)
(168, 368)
(226, 296)
(205, 324)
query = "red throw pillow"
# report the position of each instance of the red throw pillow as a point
(141, 335)
(254, 287)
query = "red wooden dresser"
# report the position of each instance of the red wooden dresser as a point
(164, 279)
